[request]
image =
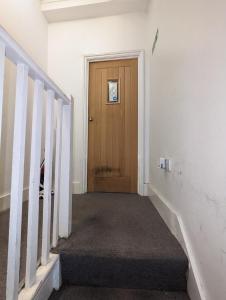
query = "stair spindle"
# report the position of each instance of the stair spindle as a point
(47, 179)
(65, 204)
(33, 206)
(2, 72)
(57, 172)
(17, 181)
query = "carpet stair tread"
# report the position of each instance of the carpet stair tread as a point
(92, 293)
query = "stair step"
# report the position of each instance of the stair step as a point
(154, 273)
(91, 293)
(120, 241)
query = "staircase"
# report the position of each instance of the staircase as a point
(120, 248)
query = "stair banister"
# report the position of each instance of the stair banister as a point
(27, 68)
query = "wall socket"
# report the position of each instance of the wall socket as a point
(162, 163)
(165, 164)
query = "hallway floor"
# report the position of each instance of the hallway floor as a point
(120, 248)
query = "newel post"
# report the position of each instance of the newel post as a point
(65, 203)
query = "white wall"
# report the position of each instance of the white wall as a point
(188, 124)
(187, 107)
(69, 42)
(26, 24)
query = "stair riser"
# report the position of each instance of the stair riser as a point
(124, 273)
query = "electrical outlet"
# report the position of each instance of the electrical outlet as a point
(162, 163)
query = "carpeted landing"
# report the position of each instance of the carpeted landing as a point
(120, 248)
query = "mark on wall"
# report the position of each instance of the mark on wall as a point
(155, 41)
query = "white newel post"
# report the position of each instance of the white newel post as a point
(48, 178)
(13, 266)
(65, 204)
(57, 172)
(33, 206)
(2, 73)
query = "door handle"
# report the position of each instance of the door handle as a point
(90, 119)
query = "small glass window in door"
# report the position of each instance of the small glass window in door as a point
(113, 91)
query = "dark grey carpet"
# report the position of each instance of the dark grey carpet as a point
(120, 241)
(89, 293)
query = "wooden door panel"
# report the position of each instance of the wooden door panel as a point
(112, 158)
(112, 184)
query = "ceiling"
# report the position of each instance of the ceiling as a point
(68, 10)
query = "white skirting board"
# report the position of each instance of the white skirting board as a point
(48, 278)
(146, 189)
(176, 225)
(77, 188)
(5, 199)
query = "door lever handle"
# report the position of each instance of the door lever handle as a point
(90, 119)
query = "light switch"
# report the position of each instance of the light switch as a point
(162, 163)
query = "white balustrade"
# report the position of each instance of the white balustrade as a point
(60, 213)
(17, 55)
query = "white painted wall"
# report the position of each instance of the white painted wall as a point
(24, 21)
(26, 24)
(69, 42)
(187, 106)
(188, 113)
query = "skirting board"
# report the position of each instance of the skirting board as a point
(5, 199)
(146, 189)
(48, 279)
(175, 223)
(77, 188)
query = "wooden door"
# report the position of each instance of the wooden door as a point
(113, 122)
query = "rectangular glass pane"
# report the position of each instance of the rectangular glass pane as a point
(113, 96)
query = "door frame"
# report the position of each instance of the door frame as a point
(139, 55)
